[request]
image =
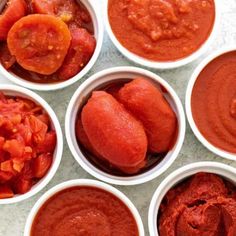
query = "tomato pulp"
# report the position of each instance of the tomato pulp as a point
(84, 211)
(162, 30)
(213, 102)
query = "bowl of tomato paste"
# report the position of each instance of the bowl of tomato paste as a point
(48, 45)
(84, 207)
(162, 34)
(125, 125)
(211, 103)
(30, 144)
(197, 199)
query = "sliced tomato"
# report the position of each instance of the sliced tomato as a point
(48, 144)
(14, 147)
(39, 43)
(14, 10)
(6, 59)
(22, 185)
(41, 165)
(5, 192)
(81, 50)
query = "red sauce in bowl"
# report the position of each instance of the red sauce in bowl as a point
(213, 102)
(84, 211)
(162, 30)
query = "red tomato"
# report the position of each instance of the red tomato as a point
(6, 58)
(81, 50)
(5, 176)
(41, 165)
(14, 147)
(14, 10)
(5, 192)
(49, 143)
(22, 185)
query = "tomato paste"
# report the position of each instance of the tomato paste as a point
(133, 129)
(204, 205)
(213, 102)
(27, 144)
(162, 30)
(84, 211)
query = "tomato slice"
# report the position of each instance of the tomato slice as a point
(14, 10)
(81, 50)
(7, 60)
(39, 43)
(5, 192)
(41, 165)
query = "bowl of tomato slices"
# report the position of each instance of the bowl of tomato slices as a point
(31, 143)
(48, 45)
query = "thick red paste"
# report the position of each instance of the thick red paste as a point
(162, 30)
(84, 211)
(204, 205)
(214, 102)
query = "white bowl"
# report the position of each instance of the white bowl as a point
(101, 79)
(83, 182)
(200, 137)
(13, 90)
(178, 176)
(163, 65)
(98, 33)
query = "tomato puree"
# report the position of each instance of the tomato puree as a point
(84, 211)
(162, 30)
(203, 205)
(213, 102)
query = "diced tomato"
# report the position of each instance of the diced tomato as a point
(49, 143)
(7, 166)
(14, 10)
(41, 165)
(26, 133)
(5, 176)
(18, 165)
(6, 59)
(5, 192)
(14, 147)
(44, 118)
(22, 185)
(81, 50)
(27, 171)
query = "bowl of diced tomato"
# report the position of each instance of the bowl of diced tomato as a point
(48, 45)
(31, 143)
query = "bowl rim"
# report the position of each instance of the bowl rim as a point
(88, 183)
(218, 151)
(99, 28)
(168, 64)
(59, 148)
(179, 175)
(101, 175)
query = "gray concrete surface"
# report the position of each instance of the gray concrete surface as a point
(12, 217)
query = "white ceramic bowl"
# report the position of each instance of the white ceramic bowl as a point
(83, 182)
(98, 33)
(101, 79)
(13, 90)
(163, 65)
(178, 176)
(200, 137)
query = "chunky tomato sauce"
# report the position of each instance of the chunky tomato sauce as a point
(203, 205)
(46, 41)
(84, 211)
(27, 144)
(213, 102)
(162, 30)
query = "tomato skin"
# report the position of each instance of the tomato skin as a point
(41, 165)
(5, 192)
(15, 9)
(81, 50)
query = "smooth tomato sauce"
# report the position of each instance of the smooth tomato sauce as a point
(84, 211)
(162, 30)
(213, 102)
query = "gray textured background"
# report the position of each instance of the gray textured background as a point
(12, 217)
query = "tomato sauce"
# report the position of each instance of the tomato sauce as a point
(84, 211)
(213, 102)
(162, 30)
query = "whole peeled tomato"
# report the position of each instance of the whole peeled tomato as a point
(147, 104)
(113, 132)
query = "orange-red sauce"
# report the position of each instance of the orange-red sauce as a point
(84, 211)
(162, 30)
(214, 102)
